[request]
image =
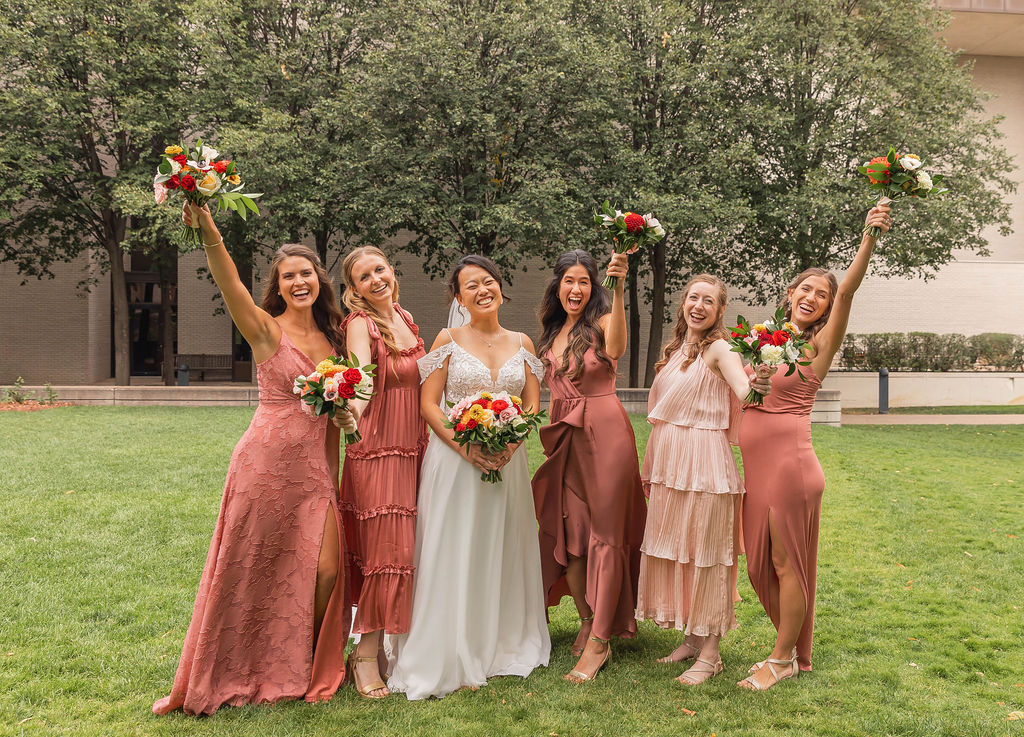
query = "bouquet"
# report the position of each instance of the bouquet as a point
(332, 384)
(627, 231)
(198, 175)
(895, 176)
(773, 343)
(494, 421)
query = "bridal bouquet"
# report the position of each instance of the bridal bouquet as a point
(494, 421)
(627, 231)
(199, 175)
(332, 384)
(899, 175)
(773, 343)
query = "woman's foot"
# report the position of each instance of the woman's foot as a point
(686, 651)
(586, 625)
(366, 677)
(700, 671)
(595, 656)
(770, 672)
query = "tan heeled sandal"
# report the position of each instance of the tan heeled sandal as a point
(770, 664)
(700, 674)
(363, 689)
(577, 676)
(578, 651)
(694, 652)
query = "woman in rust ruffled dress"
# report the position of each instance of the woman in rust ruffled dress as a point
(381, 474)
(784, 481)
(589, 499)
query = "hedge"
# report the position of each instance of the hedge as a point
(932, 352)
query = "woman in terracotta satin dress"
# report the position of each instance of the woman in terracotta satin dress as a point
(270, 619)
(382, 471)
(784, 481)
(588, 495)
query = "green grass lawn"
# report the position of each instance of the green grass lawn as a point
(106, 515)
(977, 409)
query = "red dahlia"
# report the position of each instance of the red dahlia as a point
(181, 158)
(634, 223)
(470, 424)
(220, 166)
(188, 183)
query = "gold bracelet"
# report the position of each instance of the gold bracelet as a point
(214, 245)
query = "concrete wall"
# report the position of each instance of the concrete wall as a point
(924, 389)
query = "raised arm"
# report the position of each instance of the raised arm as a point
(258, 328)
(614, 323)
(830, 337)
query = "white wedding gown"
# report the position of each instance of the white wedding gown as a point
(478, 599)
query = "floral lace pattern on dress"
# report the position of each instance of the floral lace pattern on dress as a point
(470, 375)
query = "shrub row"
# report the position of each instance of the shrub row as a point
(932, 352)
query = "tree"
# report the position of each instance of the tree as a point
(90, 92)
(480, 122)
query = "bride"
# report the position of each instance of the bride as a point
(478, 600)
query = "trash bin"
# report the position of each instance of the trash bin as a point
(183, 375)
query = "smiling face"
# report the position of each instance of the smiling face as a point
(809, 300)
(701, 308)
(479, 292)
(297, 282)
(373, 279)
(574, 290)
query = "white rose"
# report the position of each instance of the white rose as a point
(909, 162)
(300, 383)
(175, 166)
(209, 154)
(653, 223)
(209, 184)
(772, 355)
(365, 385)
(792, 352)
(924, 181)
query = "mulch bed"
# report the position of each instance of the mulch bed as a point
(30, 406)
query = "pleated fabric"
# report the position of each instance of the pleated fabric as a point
(378, 488)
(691, 541)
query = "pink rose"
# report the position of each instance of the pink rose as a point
(508, 414)
(159, 192)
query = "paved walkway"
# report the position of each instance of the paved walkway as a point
(850, 419)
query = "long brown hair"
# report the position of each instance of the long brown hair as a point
(715, 332)
(587, 330)
(833, 287)
(326, 314)
(355, 302)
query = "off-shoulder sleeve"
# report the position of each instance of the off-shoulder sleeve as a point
(433, 360)
(536, 365)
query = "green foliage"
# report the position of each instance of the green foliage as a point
(932, 352)
(16, 392)
(51, 394)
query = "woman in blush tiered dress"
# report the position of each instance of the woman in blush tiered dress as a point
(478, 600)
(270, 620)
(589, 499)
(381, 474)
(688, 567)
(784, 481)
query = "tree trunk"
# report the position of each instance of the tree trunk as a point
(119, 298)
(634, 322)
(657, 258)
(321, 246)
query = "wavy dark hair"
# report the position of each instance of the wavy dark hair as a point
(679, 332)
(326, 313)
(474, 259)
(587, 330)
(833, 287)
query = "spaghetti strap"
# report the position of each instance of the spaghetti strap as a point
(520, 340)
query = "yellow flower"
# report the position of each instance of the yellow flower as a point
(486, 395)
(327, 367)
(517, 400)
(791, 327)
(759, 327)
(235, 179)
(172, 150)
(486, 418)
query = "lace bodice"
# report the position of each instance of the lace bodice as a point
(468, 375)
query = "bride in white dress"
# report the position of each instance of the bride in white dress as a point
(478, 599)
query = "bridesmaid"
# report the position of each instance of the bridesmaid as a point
(690, 548)
(784, 480)
(588, 495)
(381, 474)
(270, 620)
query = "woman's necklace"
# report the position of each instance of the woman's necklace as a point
(481, 335)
